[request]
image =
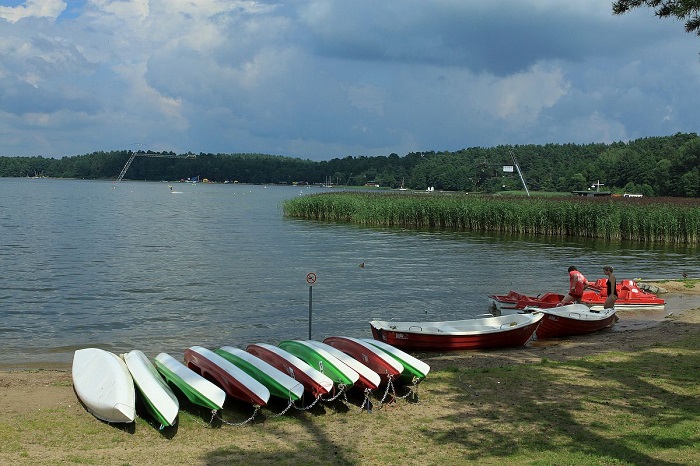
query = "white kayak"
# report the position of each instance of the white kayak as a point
(159, 399)
(104, 385)
(196, 388)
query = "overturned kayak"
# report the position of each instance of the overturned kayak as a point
(321, 360)
(280, 384)
(314, 381)
(367, 377)
(196, 388)
(379, 361)
(159, 399)
(104, 385)
(412, 366)
(231, 378)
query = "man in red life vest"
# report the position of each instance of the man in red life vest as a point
(577, 283)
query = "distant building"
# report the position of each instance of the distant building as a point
(591, 193)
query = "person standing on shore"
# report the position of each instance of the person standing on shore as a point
(612, 288)
(577, 283)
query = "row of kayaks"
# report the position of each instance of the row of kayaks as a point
(108, 384)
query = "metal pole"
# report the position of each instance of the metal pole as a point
(515, 162)
(311, 299)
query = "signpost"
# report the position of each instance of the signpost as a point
(310, 279)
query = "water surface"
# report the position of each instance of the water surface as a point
(85, 263)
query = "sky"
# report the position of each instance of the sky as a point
(324, 79)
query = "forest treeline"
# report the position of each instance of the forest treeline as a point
(653, 166)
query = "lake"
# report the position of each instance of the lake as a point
(137, 265)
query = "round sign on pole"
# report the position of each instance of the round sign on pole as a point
(310, 278)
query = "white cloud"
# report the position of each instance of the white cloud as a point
(521, 97)
(327, 78)
(33, 9)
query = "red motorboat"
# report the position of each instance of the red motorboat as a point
(572, 319)
(490, 332)
(629, 296)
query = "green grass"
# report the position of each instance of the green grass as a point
(618, 408)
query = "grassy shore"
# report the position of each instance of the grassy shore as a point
(667, 220)
(615, 397)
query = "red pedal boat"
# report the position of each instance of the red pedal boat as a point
(629, 296)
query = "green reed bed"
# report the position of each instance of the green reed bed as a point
(666, 220)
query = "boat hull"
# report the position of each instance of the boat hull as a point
(196, 388)
(380, 362)
(313, 381)
(159, 399)
(319, 359)
(627, 306)
(232, 379)
(367, 377)
(104, 385)
(413, 368)
(575, 319)
(279, 383)
(496, 332)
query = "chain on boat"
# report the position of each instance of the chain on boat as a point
(291, 403)
(242, 423)
(367, 401)
(341, 391)
(412, 390)
(306, 408)
(197, 421)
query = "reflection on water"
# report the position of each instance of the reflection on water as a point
(137, 267)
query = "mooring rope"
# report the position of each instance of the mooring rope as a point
(468, 386)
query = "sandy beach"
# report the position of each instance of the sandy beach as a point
(44, 393)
